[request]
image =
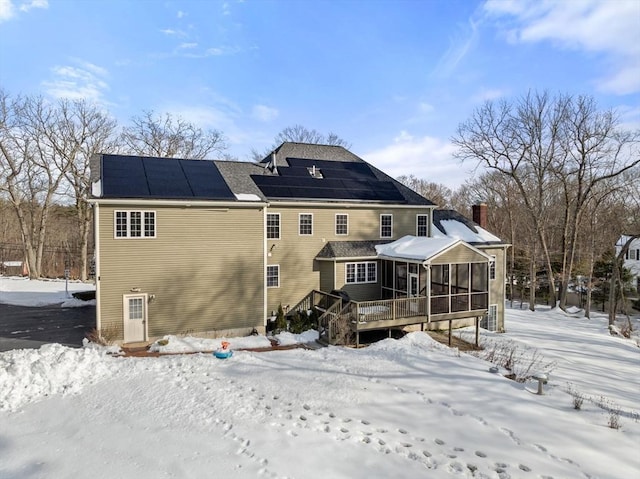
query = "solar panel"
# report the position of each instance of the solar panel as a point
(206, 180)
(142, 177)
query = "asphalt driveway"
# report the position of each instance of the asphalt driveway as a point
(28, 327)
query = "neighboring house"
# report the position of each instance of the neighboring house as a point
(215, 247)
(631, 259)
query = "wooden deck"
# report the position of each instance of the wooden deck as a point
(339, 321)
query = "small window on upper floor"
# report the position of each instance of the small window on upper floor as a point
(305, 224)
(386, 226)
(422, 225)
(134, 224)
(273, 225)
(342, 224)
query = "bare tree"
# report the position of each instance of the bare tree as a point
(436, 192)
(561, 153)
(300, 134)
(80, 131)
(596, 154)
(520, 141)
(167, 136)
(31, 170)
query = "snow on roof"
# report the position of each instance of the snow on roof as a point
(247, 197)
(458, 230)
(415, 248)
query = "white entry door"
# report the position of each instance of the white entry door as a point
(135, 318)
(414, 286)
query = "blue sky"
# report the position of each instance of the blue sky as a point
(393, 78)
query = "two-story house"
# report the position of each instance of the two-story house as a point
(214, 247)
(631, 259)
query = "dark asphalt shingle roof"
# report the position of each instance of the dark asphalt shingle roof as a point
(350, 249)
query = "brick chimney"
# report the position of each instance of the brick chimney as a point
(480, 214)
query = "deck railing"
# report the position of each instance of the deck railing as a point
(388, 309)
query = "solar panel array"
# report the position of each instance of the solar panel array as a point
(169, 178)
(335, 180)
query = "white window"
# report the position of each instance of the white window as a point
(342, 224)
(135, 224)
(273, 225)
(386, 226)
(492, 268)
(305, 221)
(364, 272)
(422, 228)
(136, 308)
(273, 276)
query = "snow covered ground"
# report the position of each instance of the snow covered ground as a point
(398, 409)
(24, 292)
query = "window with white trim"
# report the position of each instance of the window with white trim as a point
(492, 268)
(273, 225)
(363, 272)
(386, 226)
(342, 224)
(134, 224)
(422, 225)
(305, 224)
(273, 276)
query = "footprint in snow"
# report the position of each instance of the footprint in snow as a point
(439, 442)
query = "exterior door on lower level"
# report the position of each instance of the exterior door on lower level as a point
(135, 318)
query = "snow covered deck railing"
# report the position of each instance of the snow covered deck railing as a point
(387, 309)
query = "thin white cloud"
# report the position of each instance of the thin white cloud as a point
(459, 46)
(188, 45)
(9, 9)
(180, 14)
(172, 32)
(82, 80)
(604, 27)
(26, 6)
(264, 113)
(487, 94)
(426, 157)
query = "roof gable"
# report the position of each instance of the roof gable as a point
(424, 249)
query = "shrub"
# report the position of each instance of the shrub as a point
(281, 321)
(103, 337)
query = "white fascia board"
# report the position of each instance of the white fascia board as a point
(309, 204)
(183, 203)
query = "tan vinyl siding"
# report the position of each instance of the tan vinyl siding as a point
(205, 268)
(295, 254)
(497, 286)
(357, 292)
(459, 254)
(327, 280)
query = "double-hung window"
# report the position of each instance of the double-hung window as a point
(422, 228)
(273, 276)
(273, 225)
(364, 272)
(386, 226)
(342, 224)
(135, 224)
(305, 224)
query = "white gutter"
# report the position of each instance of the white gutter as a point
(369, 204)
(183, 203)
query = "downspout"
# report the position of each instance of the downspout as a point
(96, 232)
(264, 267)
